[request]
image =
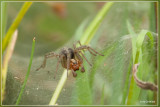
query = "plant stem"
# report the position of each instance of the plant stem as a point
(59, 87)
(27, 75)
(14, 25)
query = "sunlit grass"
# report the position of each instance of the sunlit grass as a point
(137, 42)
(6, 60)
(9, 40)
(109, 80)
(14, 25)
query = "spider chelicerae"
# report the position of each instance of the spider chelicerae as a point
(71, 59)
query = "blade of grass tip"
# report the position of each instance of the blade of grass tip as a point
(85, 39)
(14, 25)
(27, 75)
(6, 60)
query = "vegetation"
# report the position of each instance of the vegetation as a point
(118, 30)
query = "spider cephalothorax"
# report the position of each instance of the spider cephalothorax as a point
(71, 59)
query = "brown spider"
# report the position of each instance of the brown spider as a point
(70, 58)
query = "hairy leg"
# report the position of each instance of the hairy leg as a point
(68, 61)
(56, 68)
(48, 55)
(92, 52)
(81, 61)
(82, 69)
(85, 58)
(89, 49)
(79, 57)
(74, 73)
(74, 45)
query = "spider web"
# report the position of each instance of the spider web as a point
(112, 72)
(41, 84)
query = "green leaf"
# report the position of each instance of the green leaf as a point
(141, 37)
(137, 42)
(14, 25)
(6, 60)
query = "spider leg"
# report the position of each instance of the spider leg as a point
(85, 58)
(89, 49)
(81, 61)
(92, 52)
(74, 45)
(82, 69)
(95, 51)
(48, 55)
(68, 61)
(74, 73)
(56, 68)
(79, 57)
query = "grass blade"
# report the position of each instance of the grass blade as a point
(27, 75)
(59, 88)
(14, 25)
(137, 42)
(6, 60)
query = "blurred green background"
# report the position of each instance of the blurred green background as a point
(56, 25)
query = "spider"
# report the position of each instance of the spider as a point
(70, 59)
